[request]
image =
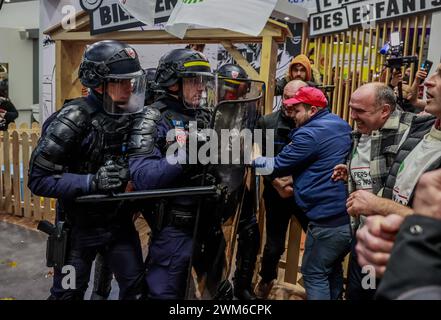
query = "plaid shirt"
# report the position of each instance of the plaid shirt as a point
(384, 146)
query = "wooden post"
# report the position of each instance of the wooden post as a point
(293, 252)
(35, 199)
(268, 64)
(16, 176)
(68, 57)
(414, 46)
(7, 174)
(26, 192)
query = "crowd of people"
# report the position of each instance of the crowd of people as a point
(371, 192)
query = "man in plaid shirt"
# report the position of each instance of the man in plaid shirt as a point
(380, 129)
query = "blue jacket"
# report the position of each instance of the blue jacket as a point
(316, 148)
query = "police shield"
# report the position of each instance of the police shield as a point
(231, 142)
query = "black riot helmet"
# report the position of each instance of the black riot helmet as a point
(233, 82)
(191, 70)
(231, 70)
(112, 69)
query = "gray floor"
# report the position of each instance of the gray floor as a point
(23, 272)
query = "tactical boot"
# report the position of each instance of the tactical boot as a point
(248, 247)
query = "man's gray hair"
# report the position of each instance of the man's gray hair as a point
(385, 95)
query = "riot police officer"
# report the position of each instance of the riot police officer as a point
(233, 86)
(82, 151)
(185, 77)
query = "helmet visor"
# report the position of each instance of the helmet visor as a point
(198, 90)
(124, 94)
(230, 89)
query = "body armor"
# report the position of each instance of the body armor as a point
(80, 139)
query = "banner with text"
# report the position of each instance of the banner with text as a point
(338, 15)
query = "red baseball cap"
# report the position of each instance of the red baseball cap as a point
(308, 95)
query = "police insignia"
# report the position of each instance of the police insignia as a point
(234, 74)
(130, 52)
(180, 133)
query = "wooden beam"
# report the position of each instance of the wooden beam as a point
(74, 75)
(161, 36)
(241, 61)
(58, 28)
(59, 68)
(293, 252)
(68, 57)
(268, 63)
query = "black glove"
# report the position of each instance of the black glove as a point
(109, 177)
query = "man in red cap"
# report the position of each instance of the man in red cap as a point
(319, 142)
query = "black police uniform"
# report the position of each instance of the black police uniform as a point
(173, 221)
(82, 151)
(248, 230)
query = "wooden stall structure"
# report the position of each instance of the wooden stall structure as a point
(70, 45)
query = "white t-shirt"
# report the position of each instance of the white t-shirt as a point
(415, 164)
(360, 164)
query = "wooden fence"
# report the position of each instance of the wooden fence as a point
(16, 146)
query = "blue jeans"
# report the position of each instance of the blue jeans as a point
(322, 270)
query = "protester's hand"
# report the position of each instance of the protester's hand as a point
(282, 182)
(420, 76)
(286, 192)
(408, 93)
(284, 186)
(396, 78)
(340, 173)
(375, 241)
(361, 202)
(427, 200)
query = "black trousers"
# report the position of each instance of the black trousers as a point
(278, 215)
(123, 256)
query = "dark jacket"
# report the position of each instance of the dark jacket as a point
(282, 128)
(415, 261)
(11, 112)
(316, 148)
